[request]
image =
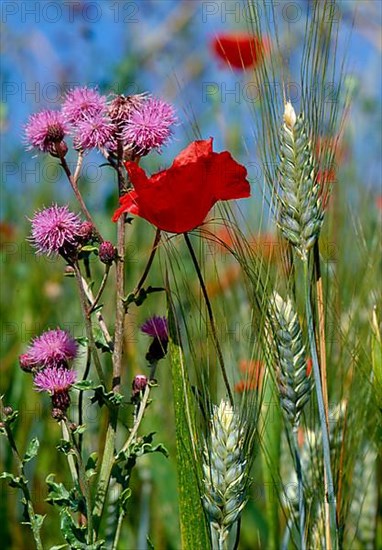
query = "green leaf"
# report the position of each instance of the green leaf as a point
(32, 450)
(59, 547)
(193, 527)
(80, 429)
(59, 495)
(89, 248)
(74, 535)
(84, 385)
(100, 340)
(124, 498)
(270, 456)
(91, 465)
(65, 447)
(102, 397)
(13, 481)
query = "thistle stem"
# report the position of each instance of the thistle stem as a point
(24, 488)
(83, 481)
(210, 315)
(141, 411)
(100, 290)
(88, 323)
(329, 493)
(73, 180)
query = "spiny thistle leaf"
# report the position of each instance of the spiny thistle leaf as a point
(225, 473)
(300, 213)
(289, 352)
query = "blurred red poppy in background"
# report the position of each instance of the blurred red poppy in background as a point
(178, 199)
(240, 50)
(253, 372)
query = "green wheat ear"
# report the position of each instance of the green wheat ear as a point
(300, 212)
(225, 473)
(289, 351)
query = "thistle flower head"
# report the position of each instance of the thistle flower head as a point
(45, 129)
(149, 125)
(121, 107)
(54, 380)
(81, 103)
(53, 348)
(54, 229)
(57, 381)
(94, 131)
(156, 327)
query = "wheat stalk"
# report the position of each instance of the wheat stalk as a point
(300, 211)
(225, 473)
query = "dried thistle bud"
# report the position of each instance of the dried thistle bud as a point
(289, 115)
(107, 252)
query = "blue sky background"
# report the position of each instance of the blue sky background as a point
(163, 46)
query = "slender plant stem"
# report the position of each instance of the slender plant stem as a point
(71, 463)
(329, 494)
(211, 317)
(149, 262)
(322, 342)
(83, 482)
(100, 290)
(88, 323)
(108, 454)
(141, 411)
(118, 530)
(24, 487)
(98, 314)
(301, 501)
(73, 180)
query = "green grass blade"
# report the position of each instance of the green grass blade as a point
(193, 528)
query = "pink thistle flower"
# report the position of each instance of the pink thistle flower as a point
(53, 348)
(149, 125)
(45, 129)
(55, 230)
(93, 132)
(54, 380)
(57, 382)
(156, 327)
(81, 103)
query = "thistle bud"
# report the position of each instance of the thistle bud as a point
(107, 252)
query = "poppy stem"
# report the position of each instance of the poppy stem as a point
(149, 262)
(210, 316)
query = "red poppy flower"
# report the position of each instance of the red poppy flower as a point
(178, 199)
(240, 50)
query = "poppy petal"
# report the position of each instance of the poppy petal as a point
(128, 203)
